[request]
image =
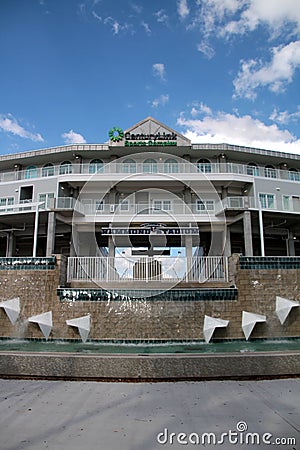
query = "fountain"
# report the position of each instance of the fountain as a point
(210, 324)
(83, 324)
(284, 307)
(249, 321)
(44, 321)
(12, 308)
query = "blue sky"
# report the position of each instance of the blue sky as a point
(215, 70)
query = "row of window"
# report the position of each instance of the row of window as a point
(151, 166)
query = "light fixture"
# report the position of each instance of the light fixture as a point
(76, 156)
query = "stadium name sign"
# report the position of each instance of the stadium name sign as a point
(143, 140)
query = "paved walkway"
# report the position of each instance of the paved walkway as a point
(60, 415)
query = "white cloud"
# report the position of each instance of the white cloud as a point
(221, 127)
(162, 100)
(159, 71)
(285, 117)
(73, 138)
(183, 9)
(275, 75)
(276, 15)
(206, 49)
(146, 28)
(226, 17)
(9, 124)
(161, 16)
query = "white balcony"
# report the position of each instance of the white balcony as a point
(158, 269)
(144, 168)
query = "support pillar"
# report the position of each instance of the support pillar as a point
(291, 245)
(261, 232)
(188, 254)
(36, 231)
(10, 246)
(227, 242)
(248, 234)
(51, 234)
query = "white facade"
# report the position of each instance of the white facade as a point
(149, 193)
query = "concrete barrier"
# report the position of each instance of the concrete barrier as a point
(73, 366)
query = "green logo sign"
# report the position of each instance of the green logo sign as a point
(116, 134)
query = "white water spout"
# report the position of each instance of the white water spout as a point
(284, 307)
(44, 321)
(248, 322)
(83, 324)
(12, 308)
(210, 324)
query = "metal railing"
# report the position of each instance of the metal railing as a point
(140, 167)
(145, 269)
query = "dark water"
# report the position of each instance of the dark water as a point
(145, 348)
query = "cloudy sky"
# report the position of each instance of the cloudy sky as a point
(215, 70)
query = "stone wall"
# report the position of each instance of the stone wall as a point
(150, 319)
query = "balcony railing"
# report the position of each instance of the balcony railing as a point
(148, 168)
(144, 269)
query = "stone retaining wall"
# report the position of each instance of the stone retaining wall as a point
(151, 319)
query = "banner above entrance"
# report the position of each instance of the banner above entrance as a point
(147, 133)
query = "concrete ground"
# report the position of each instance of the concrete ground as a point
(66, 415)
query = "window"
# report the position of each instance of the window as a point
(270, 172)
(45, 198)
(96, 166)
(204, 165)
(252, 169)
(171, 166)
(65, 168)
(99, 205)
(31, 172)
(205, 205)
(124, 205)
(267, 201)
(294, 175)
(129, 166)
(162, 205)
(286, 202)
(48, 170)
(150, 166)
(5, 201)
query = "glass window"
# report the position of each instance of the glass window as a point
(65, 168)
(129, 166)
(294, 175)
(5, 201)
(31, 172)
(48, 170)
(124, 205)
(286, 202)
(171, 166)
(270, 172)
(46, 199)
(162, 205)
(267, 201)
(96, 166)
(150, 166)
(252, 169)
(204, 165)
(99, 205)
(205, 205)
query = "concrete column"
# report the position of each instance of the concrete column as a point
(111, 247)
(51, 234)
(290, 245)
(227, 242)
(10, 247)
(248, 234)
(189, 254)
